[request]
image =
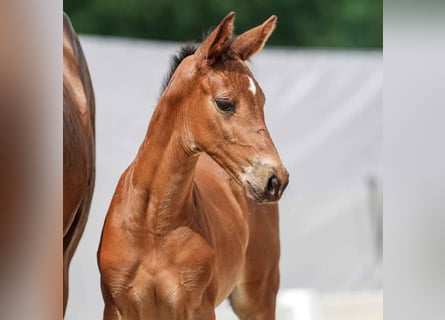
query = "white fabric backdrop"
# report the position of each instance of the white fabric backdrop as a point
(324, 113)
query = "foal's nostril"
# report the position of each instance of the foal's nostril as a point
(273, 185)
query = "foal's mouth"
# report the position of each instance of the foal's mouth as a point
(251, 192)
(257, 196)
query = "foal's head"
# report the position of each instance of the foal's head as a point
(220, 107)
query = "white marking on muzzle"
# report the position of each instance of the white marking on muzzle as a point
(252, 87)
(258, 163)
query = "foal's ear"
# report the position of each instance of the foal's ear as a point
(216, 41)
(252, 41)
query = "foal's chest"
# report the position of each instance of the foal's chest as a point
(176, 272)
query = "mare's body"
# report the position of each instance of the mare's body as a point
(78, 146)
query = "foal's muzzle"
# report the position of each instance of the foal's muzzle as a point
(275, 187)
(267, 184)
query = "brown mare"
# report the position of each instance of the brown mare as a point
(78, 146)
(194, 218)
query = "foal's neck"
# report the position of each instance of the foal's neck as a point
(163, 172)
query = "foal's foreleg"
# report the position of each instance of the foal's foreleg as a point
(111, 312)
(205, 312)
(256, 300)
(254, 297)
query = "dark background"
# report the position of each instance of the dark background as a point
(301, 23)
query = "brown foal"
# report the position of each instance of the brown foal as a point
(78, 146)
(194, 218)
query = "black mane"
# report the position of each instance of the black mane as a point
(186, 50)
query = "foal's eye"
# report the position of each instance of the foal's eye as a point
(225, 105)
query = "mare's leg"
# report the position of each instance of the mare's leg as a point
(254, 297)
(72, 237)
(65, 286)
(70, 242)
